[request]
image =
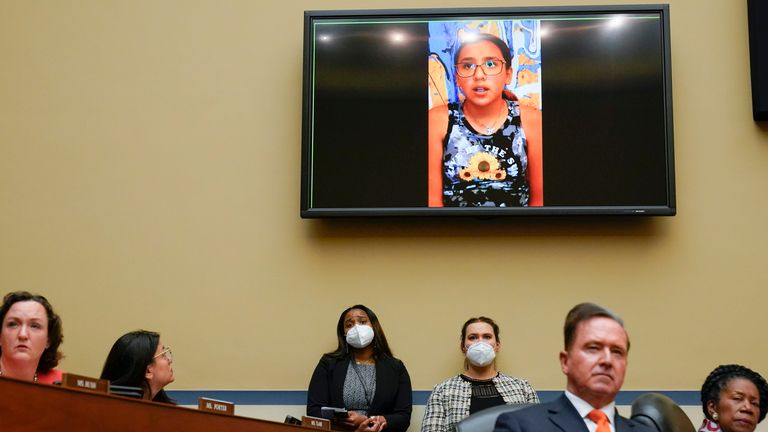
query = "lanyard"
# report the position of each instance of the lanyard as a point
(362, 382)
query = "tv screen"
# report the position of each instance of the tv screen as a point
(487, 112)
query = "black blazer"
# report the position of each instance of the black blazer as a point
(393, 398)
(557, 416)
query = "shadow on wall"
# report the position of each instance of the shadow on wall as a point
(644, 229)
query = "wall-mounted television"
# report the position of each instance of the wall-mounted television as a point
(488, 112)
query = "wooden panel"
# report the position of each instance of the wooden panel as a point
(26, 406)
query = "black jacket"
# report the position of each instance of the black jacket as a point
(393, 398)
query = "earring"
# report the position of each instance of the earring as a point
(715, 416)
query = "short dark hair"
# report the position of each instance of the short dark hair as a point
(380, 345)
(51, 355)
(583, 312)
(482, 319)
(479, 37)
(718, 380)
(128, 359)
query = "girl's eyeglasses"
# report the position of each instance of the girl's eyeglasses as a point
(490, 67)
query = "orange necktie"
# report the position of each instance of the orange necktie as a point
(599, 417)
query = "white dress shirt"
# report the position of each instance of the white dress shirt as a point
(584, 408)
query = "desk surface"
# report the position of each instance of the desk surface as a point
(26, 406)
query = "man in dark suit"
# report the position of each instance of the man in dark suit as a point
(594, 362)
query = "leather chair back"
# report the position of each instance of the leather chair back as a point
(485, 420)
(661, 413)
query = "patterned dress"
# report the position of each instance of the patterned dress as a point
(450, 400)
(485, 170)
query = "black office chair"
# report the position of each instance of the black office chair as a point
(485, 420)
(660, 413)
(127, 391)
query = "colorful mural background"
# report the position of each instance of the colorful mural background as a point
(522, 36)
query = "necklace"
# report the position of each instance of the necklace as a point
(34, 378)
(497, 121)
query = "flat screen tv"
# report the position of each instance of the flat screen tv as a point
(487, 112)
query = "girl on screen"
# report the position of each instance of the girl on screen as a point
(478, 152)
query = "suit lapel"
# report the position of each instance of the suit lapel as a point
(338, 377)
(383, 379)
(622, 424)
(563, 415)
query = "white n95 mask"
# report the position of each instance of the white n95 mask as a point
(360, 336)
(480, 354)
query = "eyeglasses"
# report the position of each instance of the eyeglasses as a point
(490, 67)
(167, 353)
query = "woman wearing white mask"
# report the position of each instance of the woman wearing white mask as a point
(480, 386)
(362, 376)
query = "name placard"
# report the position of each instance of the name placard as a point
(217, 406)
(85, 383)
(316, 422)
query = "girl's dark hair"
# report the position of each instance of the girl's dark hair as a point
(51, 355)
(482, 319)
(380, 345)
(500, 44)
(718, 380)
(128, 359)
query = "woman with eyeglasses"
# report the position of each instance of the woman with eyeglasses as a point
(477, 148)
(138, 359)
(363, 376)
(30, 338)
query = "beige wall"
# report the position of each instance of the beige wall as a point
(149, 178)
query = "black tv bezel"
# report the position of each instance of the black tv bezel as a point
(758, 58)
(464, 13)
